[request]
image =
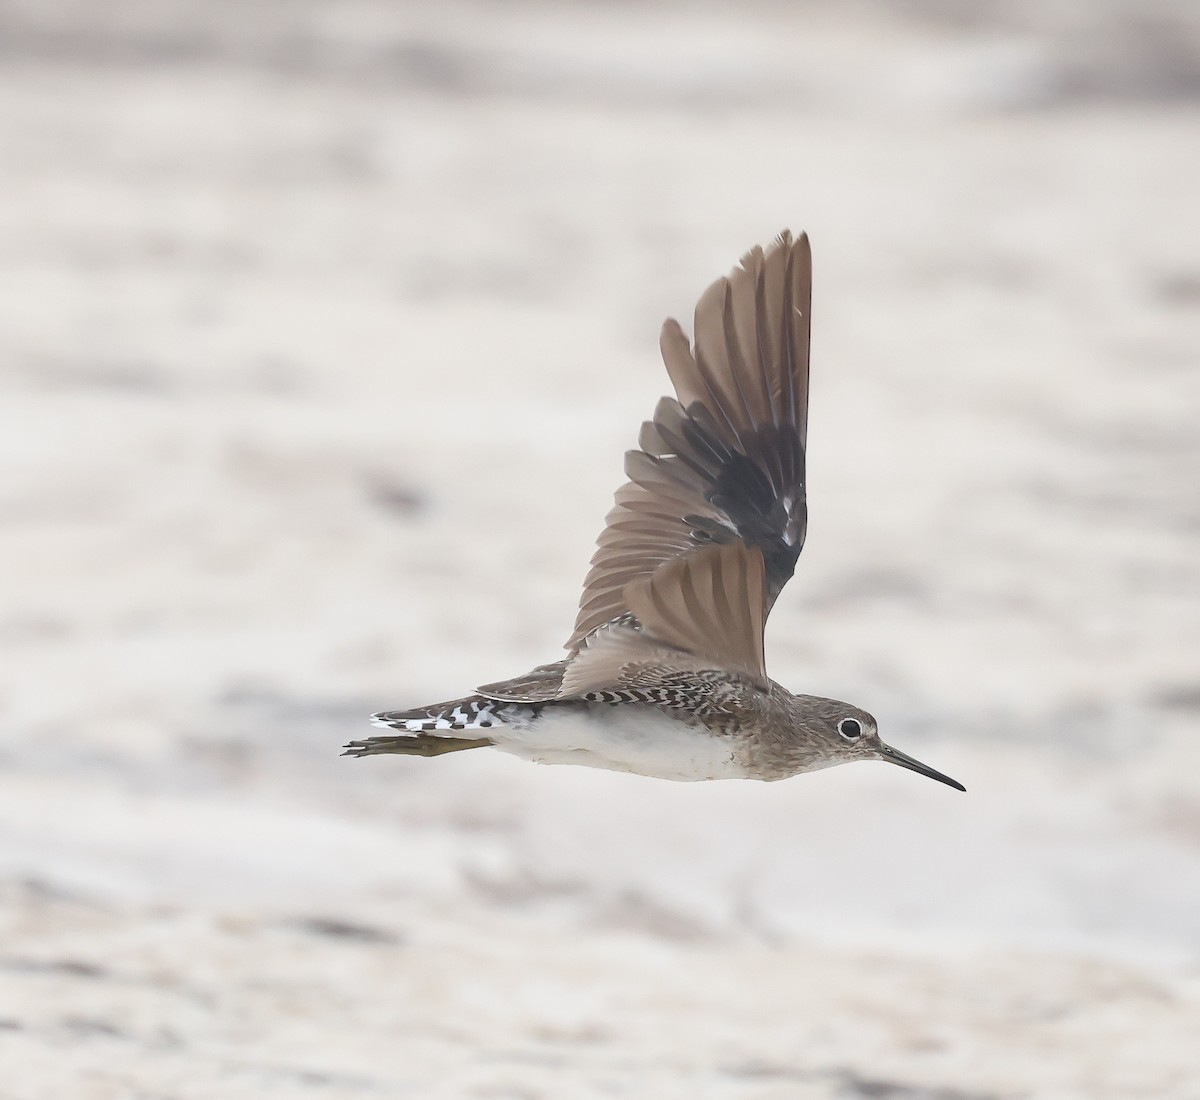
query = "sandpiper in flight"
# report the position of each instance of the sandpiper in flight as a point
(665, 673)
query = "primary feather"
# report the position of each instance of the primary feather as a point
(723, 462)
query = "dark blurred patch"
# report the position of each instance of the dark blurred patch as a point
(1156, 498)
(262, 703)
(278, 376)
(766, 1071)
(851, 1087)
(343, 1083)
(572, 1034)
(35, 889)
(1135, 54)
(223, 757)
(1178, 815)
(256, 717)
(75, 968)
(428, 64)
(254, 735)
(338, 929)
(516, 1092)
(520, 889)
(7, 1023)
(848, 1085)
(272, 376)
(1176, 697)
(1180, 289)
(91, 1027)
(391, 496)
(1127, 50)
(143, 379)
(259, 733)
(30, 629)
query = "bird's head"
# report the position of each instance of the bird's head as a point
(841, 732)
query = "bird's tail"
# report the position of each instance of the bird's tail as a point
(429, 731)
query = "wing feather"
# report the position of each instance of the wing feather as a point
(709, 603)
(721, 464)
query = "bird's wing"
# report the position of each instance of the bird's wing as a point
(698, 614)
(722, 467)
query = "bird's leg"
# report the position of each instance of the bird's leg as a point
(420, 744)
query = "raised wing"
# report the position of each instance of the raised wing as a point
(698, 615)
(723, 464)
(710, 603)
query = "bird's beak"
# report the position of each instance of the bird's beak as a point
(895, 756)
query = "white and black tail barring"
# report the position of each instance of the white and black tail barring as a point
(430, 730)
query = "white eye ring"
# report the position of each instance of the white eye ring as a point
(850, 729)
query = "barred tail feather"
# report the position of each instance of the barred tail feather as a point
(475, 712)
(428, 731)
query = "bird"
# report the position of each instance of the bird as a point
(665, 671)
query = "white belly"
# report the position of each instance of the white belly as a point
(624, 739)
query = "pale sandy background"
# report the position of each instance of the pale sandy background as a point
(323, 327)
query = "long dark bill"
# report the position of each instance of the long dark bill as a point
(895, 756)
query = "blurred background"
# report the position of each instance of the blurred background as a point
(323, 328)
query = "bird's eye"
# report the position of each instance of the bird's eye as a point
(850, 729)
